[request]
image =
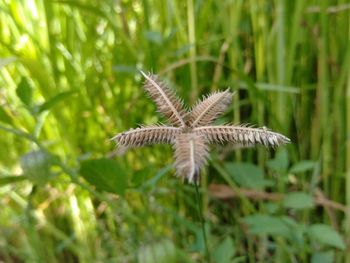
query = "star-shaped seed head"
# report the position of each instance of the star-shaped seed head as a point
(192, 131)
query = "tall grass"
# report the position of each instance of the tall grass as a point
(69, 81)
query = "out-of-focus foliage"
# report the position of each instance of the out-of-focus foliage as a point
(69, 81)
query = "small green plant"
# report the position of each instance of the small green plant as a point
(193, 130)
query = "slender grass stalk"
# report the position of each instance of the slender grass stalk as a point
(232, 28)
(259, 25)
(201, 218)
(147, 16)
(280, 59)
(205, 193)
(347, 171)
(324, 86)
(193, 52)
(173, 6)
(294, 40)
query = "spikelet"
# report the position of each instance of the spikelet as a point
(191, 154)
(241, 135)
(146, 135)
(206, 111)
(166, 100)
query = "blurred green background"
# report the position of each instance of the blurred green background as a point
(69, 81)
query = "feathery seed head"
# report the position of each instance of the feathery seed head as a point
(193, 131)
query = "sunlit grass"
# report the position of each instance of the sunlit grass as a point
(77, 65)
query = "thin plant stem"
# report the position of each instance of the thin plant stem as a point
(347, 186)
(207, 254)
(192, 51)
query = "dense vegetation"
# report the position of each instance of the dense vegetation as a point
(69, 82)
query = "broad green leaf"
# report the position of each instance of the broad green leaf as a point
(247, 175)
(298, 200)
(5, 117)
(325, 235)
(55, 100)
(161, 252)
(266, 225)
(224, 251)
(199, 244)
(272, 207)
(261, 224)
(11, 179)
(280, 162)
(105, 174)
(302, 166)
(36, 167)
(25, 91)
(139, 176)
(323, 257)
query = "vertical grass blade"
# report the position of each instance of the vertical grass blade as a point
(193, 53)
(347, 171)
